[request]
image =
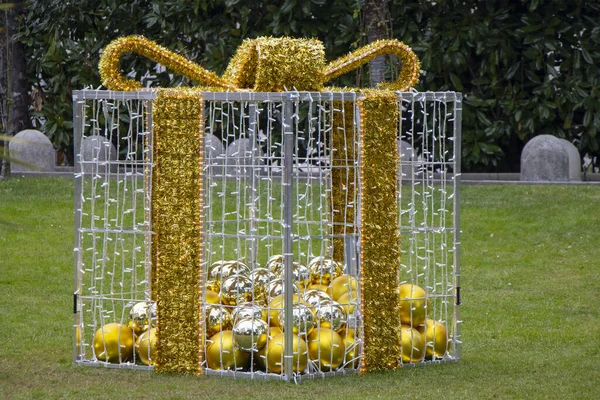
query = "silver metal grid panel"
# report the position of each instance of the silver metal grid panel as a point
(269, 163)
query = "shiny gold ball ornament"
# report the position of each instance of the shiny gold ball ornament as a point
(261, 277)
(145, 347)
(276, 288)
(221, 353)
(213, 285)
(270, 358)
(326, 347)
(248, 310)
(436, 338)
(277, 304)
(250, 334)
(316, 297)
(324, 270)
(348, 301)
(343, 284)
(273, 262)
(303, 320)
(301, 275)
(212, 297)
(413, 304)
(114, 343)
(227, 270)
(351, 347)
(413, 345)
(318, 286)
(141, 315)
(218, 318)
(330, 315)
(236, 289)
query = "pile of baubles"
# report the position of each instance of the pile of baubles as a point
(422, 338)
(245, 317)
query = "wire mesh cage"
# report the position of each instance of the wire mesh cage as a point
(281, 226)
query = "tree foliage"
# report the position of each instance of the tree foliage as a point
(526, 67)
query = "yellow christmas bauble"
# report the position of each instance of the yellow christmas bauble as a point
(341, 285)
(318, 286)
(326, 347)
(436, 338)
(236, 289)
(324, 270)
(413, 345)
(114, 343)
(413, 304)
(141, 315)
(331, 315)
(220, 272)
(277, 304)
(270, 358)
(261, 277)
(351, 355)
(348, 302)
(213, 285)
(250, 334)
(303, 320)
(145, 347)
(221, 354)
(218, 318)
(212, 297)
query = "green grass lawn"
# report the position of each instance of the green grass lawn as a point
(531, 299)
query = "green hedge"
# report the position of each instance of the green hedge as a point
(525, 67)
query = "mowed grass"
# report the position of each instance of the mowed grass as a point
(531, 298)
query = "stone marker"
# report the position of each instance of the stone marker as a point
(97, 153)
(239, 156)
(33, 147)
(214, 154)
(549, 159)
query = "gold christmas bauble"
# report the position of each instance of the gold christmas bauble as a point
(273, 261)
(212, 297)
(413, 304)
(250, 334)
(303, 320)
(316, 297)
(324, 270)
(352, 351)
(330, 315)
(301, 275)
(348, 302)
(114, 343)
(436, 338)
(341, 285)
(318, 286)
(141, 315)
(213, 270)
(248, 310)
(326, 348)
(270, 358)
(218, 318)
(413, 345)
(221, 272)
(261, 277)
(236, 289)
(222, 355)
(213, 285)
(145, 347)
(277, 304)
(276, 288)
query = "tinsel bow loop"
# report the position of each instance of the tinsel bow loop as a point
(263, 64)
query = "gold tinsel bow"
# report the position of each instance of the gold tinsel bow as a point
(264, 64)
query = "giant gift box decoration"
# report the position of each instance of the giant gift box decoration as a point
(279, 256)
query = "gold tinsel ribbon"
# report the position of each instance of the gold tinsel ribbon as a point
(270, 64)
(177, 220)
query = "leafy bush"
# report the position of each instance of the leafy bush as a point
(525, 67)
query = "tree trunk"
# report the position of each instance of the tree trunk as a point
(377, 26)
(19, 110)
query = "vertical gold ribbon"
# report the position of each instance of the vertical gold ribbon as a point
(177, 220)
(380, 241)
